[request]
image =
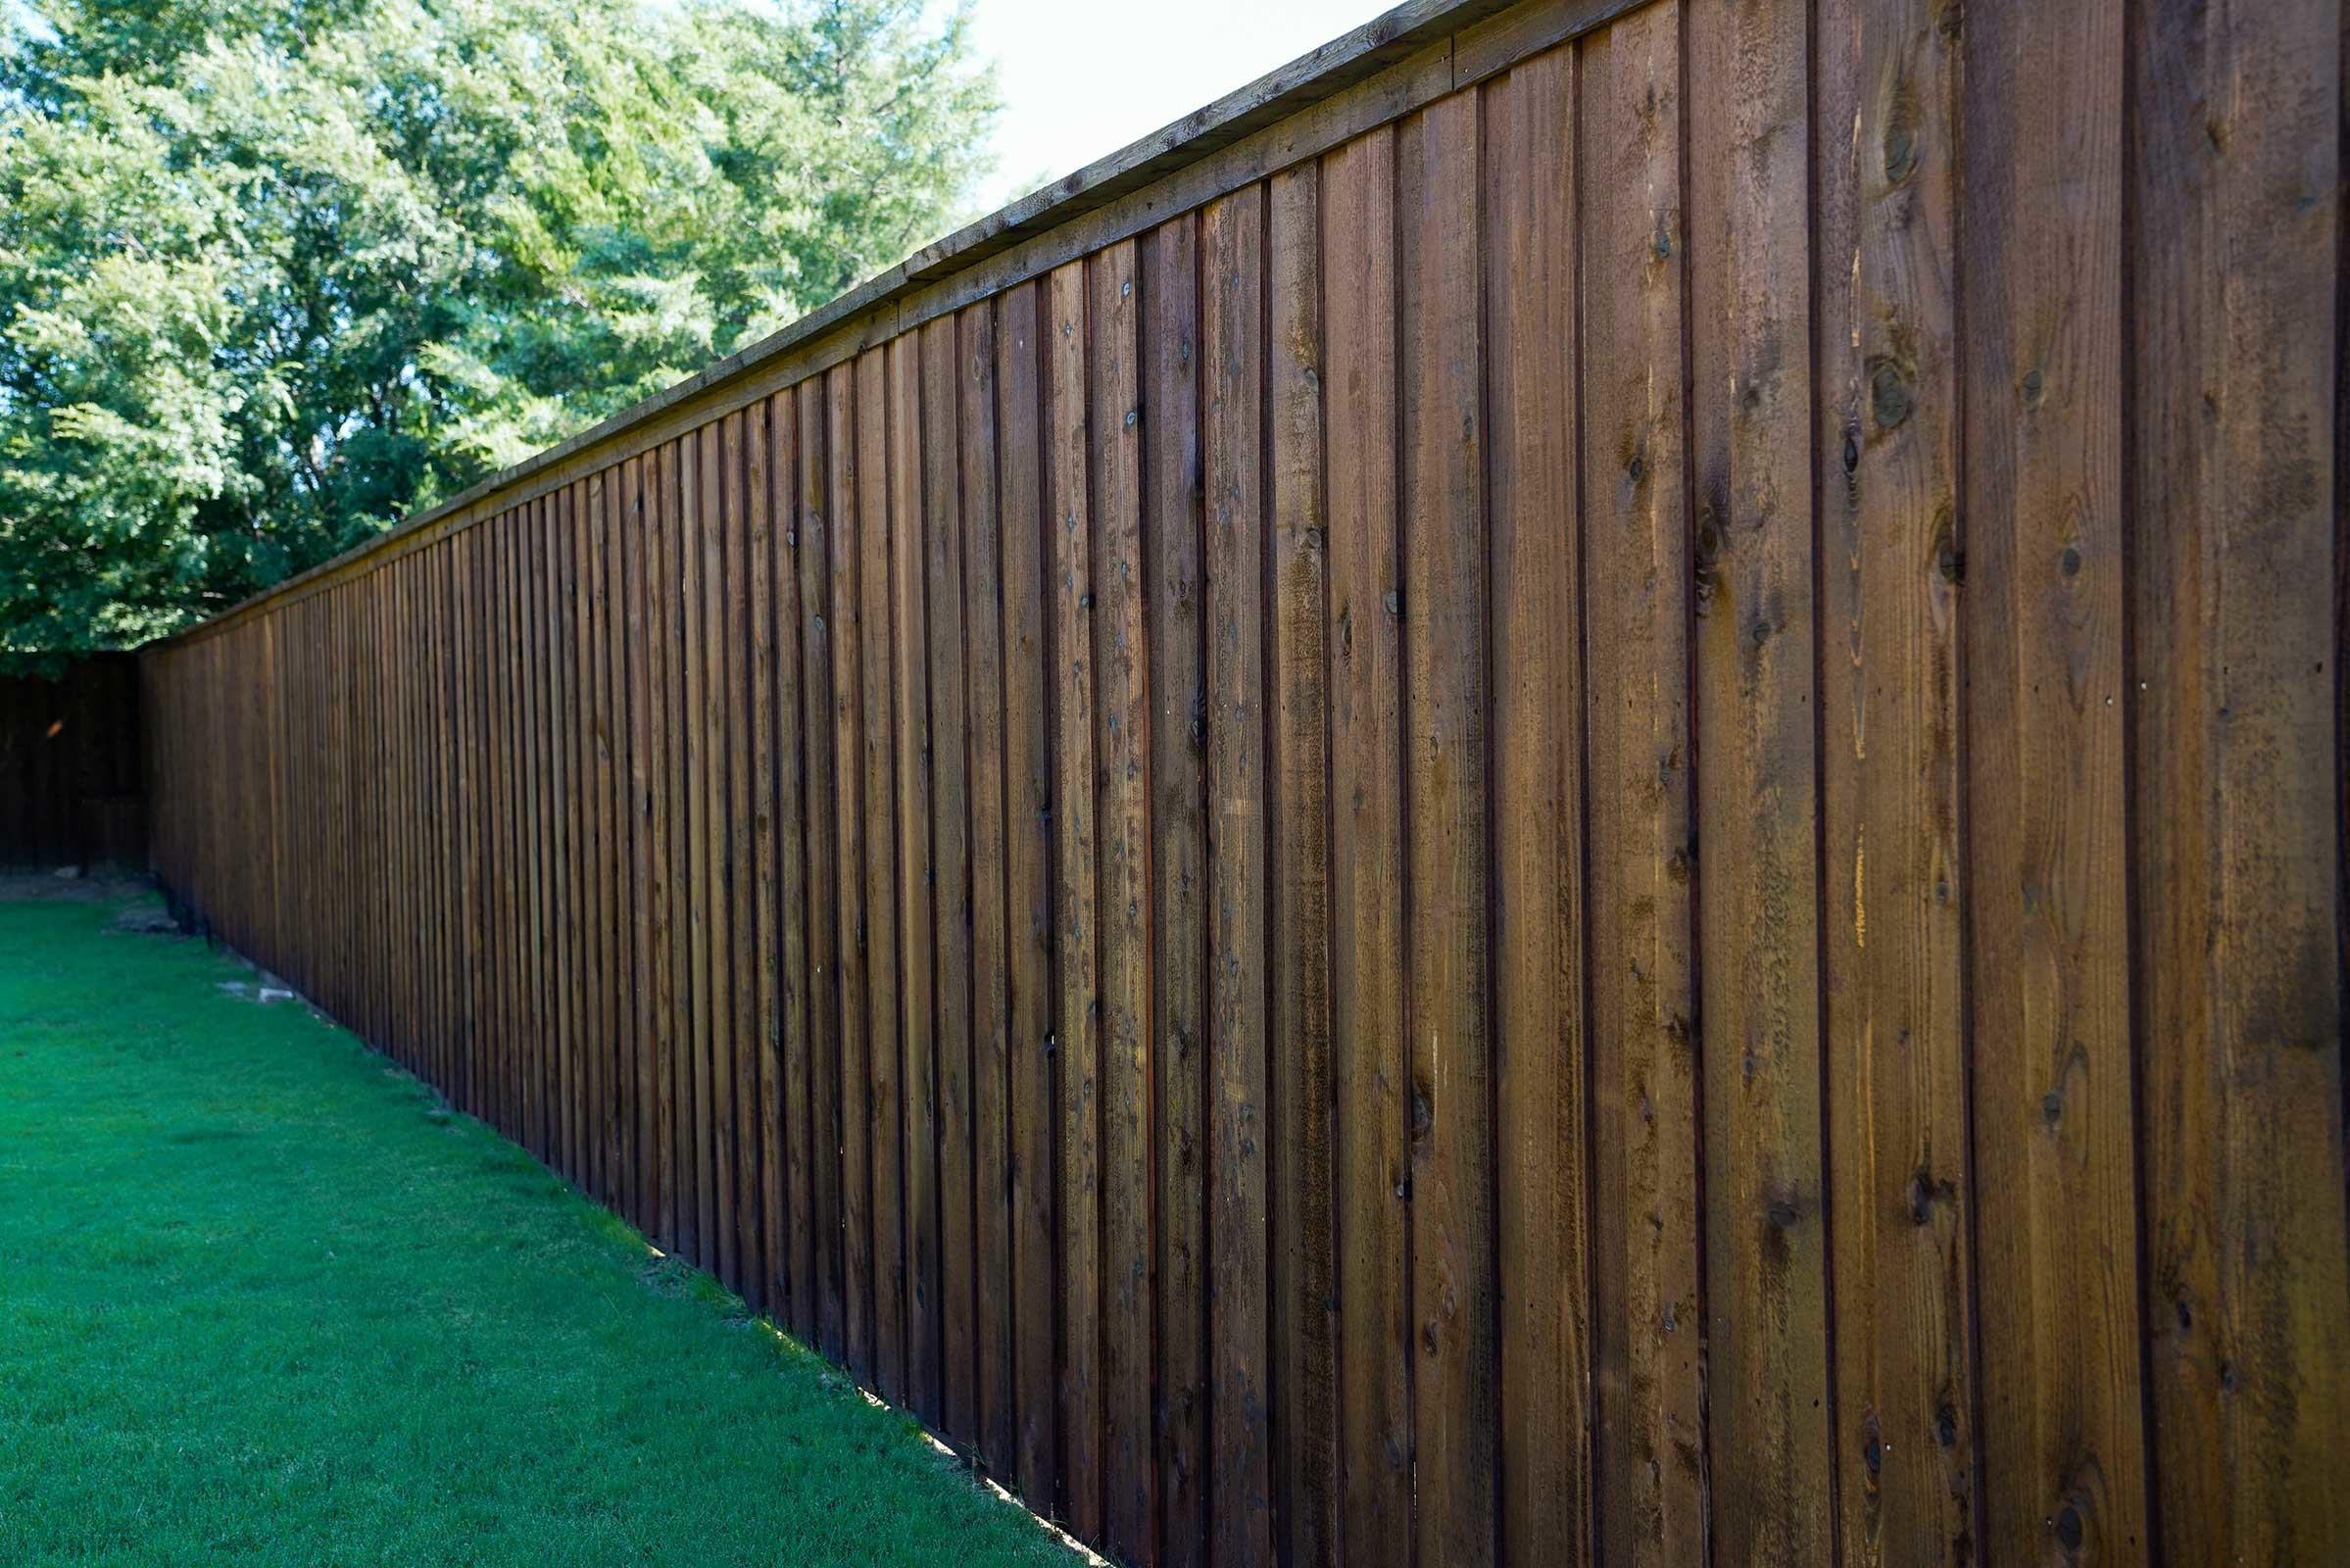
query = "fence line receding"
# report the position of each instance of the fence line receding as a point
(1587, 806)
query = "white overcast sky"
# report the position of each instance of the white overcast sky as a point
(1081, 78)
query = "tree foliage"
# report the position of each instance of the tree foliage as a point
(275, 273)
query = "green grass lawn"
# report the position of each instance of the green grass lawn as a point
(264, 1299)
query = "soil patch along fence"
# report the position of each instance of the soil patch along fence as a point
(1570, 790)
(73, 782)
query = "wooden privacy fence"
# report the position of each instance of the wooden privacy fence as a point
(72, 783)
(1569, 791)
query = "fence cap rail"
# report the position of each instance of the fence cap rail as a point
(1280, 93)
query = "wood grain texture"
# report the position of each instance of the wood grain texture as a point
(914, 1227)
(943, 561)
(1171, 375)
(1298, 1467)
(881, 533)
(1534, 654)
(1122, 711)
(2044, 632)
(1077, 1032)
(1446, 725)
(1652, 1488)
(1226, 585)
(1032, 538)
(1754, 647)
(858, 1119)
(997, 1173)
(2235, 255)
(822, 651)
(1367, 867)
(1887, 420)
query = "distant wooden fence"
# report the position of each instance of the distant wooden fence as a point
(72, 783)
(1571, 791)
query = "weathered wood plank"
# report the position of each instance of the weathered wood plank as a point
(1754, 644)
(2235, 263)
(1221, 451)
(1535, 654)
(1650, 1483)
(2042, 633)
(917, 877)
(1031, 535)
(819, 1253)
(996, 1175)
(786, 1021)
(955, 1304)
(855, 959)
(1284, 1468)
(1169, 375)
(1448, 718)
(1900, 1181)
(886, 980)
(1369, 1051)
(1122, 686)
(1077, 1027)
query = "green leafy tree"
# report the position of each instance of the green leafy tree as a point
(275, 273)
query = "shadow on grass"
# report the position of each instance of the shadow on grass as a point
(264, 1298)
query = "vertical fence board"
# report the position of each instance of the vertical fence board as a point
(954, 1307)
(1078, 1023)
(2043, 637)
(1650, 1487)
(1537, 684)
(1366, 876)
(969, 362)
(1168, 379)
(1900, 1180)
(908, 1214)
(1448, 865)
(1296, 1464)
(1216, 434)
(2234, 252)
(1754, 645)
(1030, 538)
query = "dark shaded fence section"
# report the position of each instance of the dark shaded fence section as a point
(73, 785)
(1577, 796)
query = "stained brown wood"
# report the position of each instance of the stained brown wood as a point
(970, 362)
(1031, 680)
(1169, 378)
(1651, 1489)
(1077, 1036)
(1534, 651)
(2234, 252)
(943, 565)
(899, 762)
(1754, 647)
(1585, 806)
(1366, 874)
(856, 1129)
(743, 961)
(1900, 1180)
(681, 808)
(2044, 638)
(819, 1305)
(1123, 692)
(1446, 722)
(1221, 689)
(1297, 1472)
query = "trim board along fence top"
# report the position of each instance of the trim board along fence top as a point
(1570, 791)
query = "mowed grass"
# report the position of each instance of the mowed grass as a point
(263, 1300)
